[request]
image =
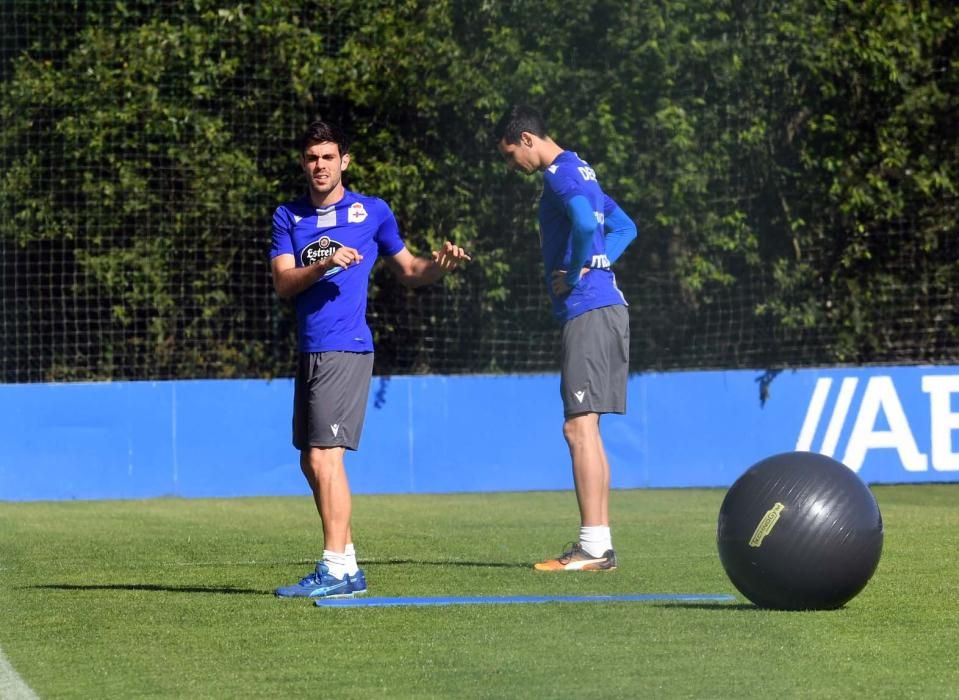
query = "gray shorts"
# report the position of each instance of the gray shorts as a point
(595, 362)
(329, 398)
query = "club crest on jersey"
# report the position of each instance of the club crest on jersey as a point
(320, 250)
(356, 213)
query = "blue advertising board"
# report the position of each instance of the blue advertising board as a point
(437, 434)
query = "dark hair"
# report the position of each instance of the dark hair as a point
(517, 119)
(322, 132)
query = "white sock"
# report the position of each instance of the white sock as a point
(335, 562)
(595, 540)
(351, 565)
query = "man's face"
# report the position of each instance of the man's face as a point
(324, 166)
(519, 156)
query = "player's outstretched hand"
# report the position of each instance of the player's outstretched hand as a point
(450, 256)
(344, 256)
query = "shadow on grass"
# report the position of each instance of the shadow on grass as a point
(148, 587)
(421, 562)
(226, 590)
(726, 607)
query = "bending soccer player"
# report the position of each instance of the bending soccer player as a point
(583, 232)
(324, 247)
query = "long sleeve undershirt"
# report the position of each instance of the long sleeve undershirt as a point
(620, 232)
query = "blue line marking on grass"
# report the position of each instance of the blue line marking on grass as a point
(519, 599)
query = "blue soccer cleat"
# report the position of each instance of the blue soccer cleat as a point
(358, 582)
(320, 584)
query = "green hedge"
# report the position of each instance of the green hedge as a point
(792, 168)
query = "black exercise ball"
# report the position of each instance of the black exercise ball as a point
(799, 531)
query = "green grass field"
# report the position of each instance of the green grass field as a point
(172, 598)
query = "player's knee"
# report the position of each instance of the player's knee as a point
(307, 465)
(577, 428)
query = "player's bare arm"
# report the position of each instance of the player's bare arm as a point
(414, 271)
(289, 280)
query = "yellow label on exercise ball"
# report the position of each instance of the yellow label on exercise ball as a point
(766, 525)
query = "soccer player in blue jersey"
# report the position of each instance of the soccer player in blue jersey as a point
(324, 247)
(583, 232)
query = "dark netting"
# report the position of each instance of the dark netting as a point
(145, 145)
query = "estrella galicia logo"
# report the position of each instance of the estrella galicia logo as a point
(320, 250)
